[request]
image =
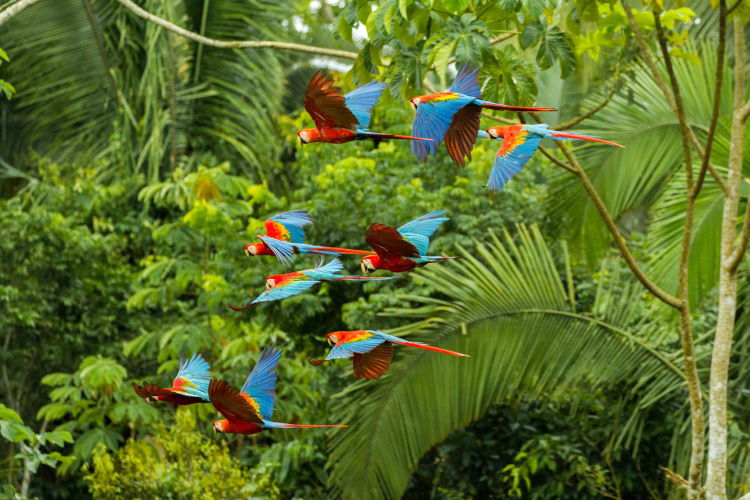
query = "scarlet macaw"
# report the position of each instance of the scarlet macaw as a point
(339, 119)
(519, 143)
(402, 249)
(371, 351)
(249, 411)
(281, 286)
(189, 386)
(285, 236)
(453, 116)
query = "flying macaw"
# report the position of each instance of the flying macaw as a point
(453, 116)
(281, 286)
(339, 119)
(249, 410)
(519, 143)
(285, 237)
(402, 249)
(189, 386)
(371, 351)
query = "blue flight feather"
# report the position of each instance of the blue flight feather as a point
(284, 291)
(198, 372)
(509, 164)
(283, 250)
(261, 383)
(419, 231)
(359, 347)
(294, 221)
(361, 101)
(466, 81)
(432, 121)
(332, 267)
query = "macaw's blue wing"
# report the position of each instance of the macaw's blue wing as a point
(194, 376)
(286, 290)
(361, 101)
(419, 231)
(432, 121)
(513, 155)
(283, 250)
(261, 383)
(348, 349)
(288, 226)
(467, 81)
(332, 267)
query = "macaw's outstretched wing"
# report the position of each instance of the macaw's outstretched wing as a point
(419, 231)
(361, 344)
(432, 121)
(261, 383)
(231, 403)
(387, 242)
(288, 226)
(193, 377)
(375, 363)
(361, 101)
(467, 81)
(460, 138)
(285, 290)
(326, 105)
(516, 150)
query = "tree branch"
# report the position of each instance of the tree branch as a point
(616, 235)
(14, 9)
(575, 121)
(717, 100)
(648, 58)
(683, 284)
(557, 162)
(234, 44)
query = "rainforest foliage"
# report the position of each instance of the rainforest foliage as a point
(135, 164)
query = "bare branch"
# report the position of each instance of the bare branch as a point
(575, 121)
(558, 162)
(616, 235)
(739, 251)
(683, 285)
(14, 9)
(648, 58)
(238, 44)
(729, 11)
(717, 99)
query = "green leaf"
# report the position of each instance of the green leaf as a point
(15, 432)
(455, 6)
(556, 46)
(58, 438)
(4, 55)
(8, 89)
(403, 6)
(8, 414)
(531, 34)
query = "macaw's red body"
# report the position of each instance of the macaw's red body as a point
(342, 118)
(396, 263)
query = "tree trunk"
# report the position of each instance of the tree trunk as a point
(716, 481)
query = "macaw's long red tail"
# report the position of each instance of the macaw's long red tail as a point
(295, 426)
(333, 250)
(570, 135)
(505, 107)
(374, 135)
(430, 348)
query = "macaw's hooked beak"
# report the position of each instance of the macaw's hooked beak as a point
(148, 399)
(330, 341)
(365, 271)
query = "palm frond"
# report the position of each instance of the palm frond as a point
(506, 307)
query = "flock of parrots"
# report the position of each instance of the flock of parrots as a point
(451, 117)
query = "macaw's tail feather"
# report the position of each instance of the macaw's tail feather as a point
(438, 259)
(430, 348)
(296, 426)
(240, 308)
(505, 107)
(570, 136)
(361, 278)
(317, 362)
(311, 249)
(374, 135)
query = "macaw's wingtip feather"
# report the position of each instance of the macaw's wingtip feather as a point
(239, 308)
